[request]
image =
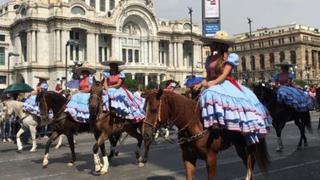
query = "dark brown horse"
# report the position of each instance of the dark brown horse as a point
(282, 114)
(195, 141)
(61, 123)
(108, 123)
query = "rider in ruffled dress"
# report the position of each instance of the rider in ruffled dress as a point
(78, 106)
(122, 101)
(225, 103)
(289, 94)
(30, 104)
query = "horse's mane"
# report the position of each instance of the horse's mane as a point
(57, 97)
(183, 107)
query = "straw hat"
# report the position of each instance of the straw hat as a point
(85, 67)
(220, 37)
(42, 77)
(113, 60)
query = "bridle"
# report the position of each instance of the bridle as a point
(45, 104)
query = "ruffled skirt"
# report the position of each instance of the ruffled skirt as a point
(78, 107)
(237, 110)
(294, 98)
(31, 106)
(124, 103)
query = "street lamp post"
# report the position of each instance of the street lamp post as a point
(250, 44)
(191, 38)
(9, 55)
(71, 43)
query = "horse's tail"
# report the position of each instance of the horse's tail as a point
(307, 120)
(262, 155)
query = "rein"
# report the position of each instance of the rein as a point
(58, 113)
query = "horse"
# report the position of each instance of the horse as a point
(27, 120)
(61, 123)
(282, 114)
(195, 141)
(108, 123)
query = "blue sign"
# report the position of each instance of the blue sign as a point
(210, 28)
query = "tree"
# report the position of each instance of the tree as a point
(131, 84)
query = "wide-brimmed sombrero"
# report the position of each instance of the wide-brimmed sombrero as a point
(220, 37)
(42, 77)
(113, 60)
(85, 67)
(285, 64)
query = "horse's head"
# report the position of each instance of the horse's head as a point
(156, 106)
(265, 94)
(95, 96)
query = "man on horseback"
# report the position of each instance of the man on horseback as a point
(288, 93)
(224, 102)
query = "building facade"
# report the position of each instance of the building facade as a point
(295, 44)
(48, 35)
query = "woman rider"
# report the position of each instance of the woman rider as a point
(78, 105)
(288, 94)
(224, 102)
(122, 101)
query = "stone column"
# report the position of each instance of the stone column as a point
(155, 51)
(158, 78)
(96, 50)
(133, 76)
(18, 48)
(91, 48)
(29, 46)
(146, 76)
(180, 54)
(58, 45)
(97, 5)
(171, 55)
(150, 58)
(64, 39)
(146, 52)
(142, 52)
(175, 55)
(34, 46)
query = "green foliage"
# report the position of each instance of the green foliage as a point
(300, 82)
(131, 84)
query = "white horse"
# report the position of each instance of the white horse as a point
(27, 121)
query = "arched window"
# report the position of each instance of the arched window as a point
(93, 3)
(262, 64)
(78, 10)
(271, 60)
(293, 57)
(282, 57)
(253, 63)
(243, 64)
(23, 11)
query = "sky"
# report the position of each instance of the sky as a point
(234, 13)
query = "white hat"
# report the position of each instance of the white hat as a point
(113, 60)
(220, 37)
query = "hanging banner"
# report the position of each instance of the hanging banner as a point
(211, 8)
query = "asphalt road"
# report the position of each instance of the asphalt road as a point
(164, 162)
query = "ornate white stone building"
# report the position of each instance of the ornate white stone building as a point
(48, 33)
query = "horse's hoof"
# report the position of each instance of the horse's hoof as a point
(70, 164)
(19, 151)
(33, 150)
(279, 149)
(57, 147)
(103, 172)
(140, 164)
(116, 153)
(44, 166)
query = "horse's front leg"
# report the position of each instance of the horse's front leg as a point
(19, 143)
(33, 132)
(98, 169)
(250, 161)
(279, 126)
(71, 145)
(133, 131)
(189, 161)
(53, 137)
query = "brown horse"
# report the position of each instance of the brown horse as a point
(108, 123)
(62, 123)
(195, 141)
